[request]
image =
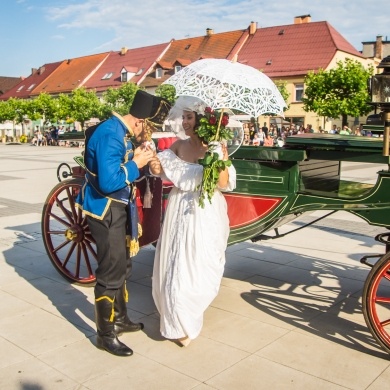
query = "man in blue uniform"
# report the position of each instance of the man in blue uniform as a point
(107, 198)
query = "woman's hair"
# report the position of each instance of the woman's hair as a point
(198, 117)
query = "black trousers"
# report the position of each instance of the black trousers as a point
(114, 262)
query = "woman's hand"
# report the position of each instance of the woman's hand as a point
(155, 166)
(225, 152)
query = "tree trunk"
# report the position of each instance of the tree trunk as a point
(344, 120)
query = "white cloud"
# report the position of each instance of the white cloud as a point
(149, 22)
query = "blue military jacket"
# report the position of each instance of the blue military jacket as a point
(109, 167)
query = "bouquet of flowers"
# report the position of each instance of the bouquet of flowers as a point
(213, 131)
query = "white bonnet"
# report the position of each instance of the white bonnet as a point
(183, 103)
(186, 103)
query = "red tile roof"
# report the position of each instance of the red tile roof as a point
(294, 49)
(188, 50)
(134, 60)
(25, 88)
(71, 74)
(6, 83)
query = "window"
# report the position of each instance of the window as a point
(20, 88)
(159, 73)
(30, 87)
(107, 76)
(124, 77)
(177, 68)
(298, 92)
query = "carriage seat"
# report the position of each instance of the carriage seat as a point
(162, 144)
(165, 143)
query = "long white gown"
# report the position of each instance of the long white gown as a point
(190, 253)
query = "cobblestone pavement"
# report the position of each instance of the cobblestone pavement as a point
(288, 313)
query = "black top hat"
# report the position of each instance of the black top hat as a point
(153, 108)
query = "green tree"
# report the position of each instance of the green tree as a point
(83, 105)
(282, 87)
(119, 99)
(340, 91)
(167, 91)
(42, 107)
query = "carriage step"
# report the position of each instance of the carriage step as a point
(364, 259)
(383, 238)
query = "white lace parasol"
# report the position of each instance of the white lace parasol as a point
(224, 84)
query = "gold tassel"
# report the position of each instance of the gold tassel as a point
(139, 230)
(148, 196)
(133, 246)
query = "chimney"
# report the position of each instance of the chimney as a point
(123, 51)
(379, 47)
(252, 28)
(41, 70)
(302, 19)
(209, 32)
(34, 70)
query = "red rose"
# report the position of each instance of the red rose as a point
(208, 110)
(212, 120)
(225, 120)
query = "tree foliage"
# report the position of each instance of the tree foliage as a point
(282, 87)
(167, 91)
(84, 105)
(119, 99)
(340, 91)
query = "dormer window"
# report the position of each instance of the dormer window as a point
(126, 75)
(177, 68)
(107, 76)
(159, 73)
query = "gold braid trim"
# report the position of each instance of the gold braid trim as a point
(126, 294)
(112, 302)
(162, 111)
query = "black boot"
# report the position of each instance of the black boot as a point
(106, 338)
(122, 323)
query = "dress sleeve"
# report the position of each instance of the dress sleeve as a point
(183, 175)
(232, 180)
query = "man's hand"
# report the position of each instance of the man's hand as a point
(142, 156)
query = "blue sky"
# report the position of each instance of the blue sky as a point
(35, 32)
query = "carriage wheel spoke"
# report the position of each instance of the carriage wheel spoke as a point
(57, 248)
(59, 219)
(71, 204)
(86, 257)
(382, 300)
(56, 232)
(70, 251)
(385, 323)
(68, 215)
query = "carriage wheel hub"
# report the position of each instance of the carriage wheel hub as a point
(74, 233)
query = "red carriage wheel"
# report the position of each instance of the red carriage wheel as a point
(66, 234)
(376, 301)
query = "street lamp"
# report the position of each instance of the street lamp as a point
(380, 97)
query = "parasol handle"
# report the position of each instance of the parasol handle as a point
(219, 124)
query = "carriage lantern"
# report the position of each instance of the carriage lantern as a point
(380, 97)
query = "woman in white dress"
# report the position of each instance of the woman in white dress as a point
(190, 254)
